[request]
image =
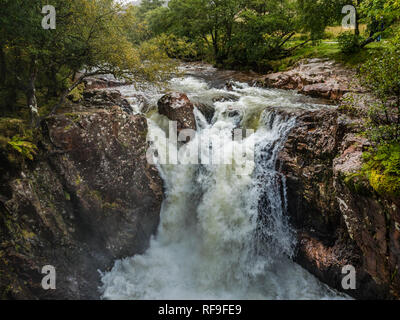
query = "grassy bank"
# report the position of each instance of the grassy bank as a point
(329, 48)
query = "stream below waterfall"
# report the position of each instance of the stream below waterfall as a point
(222, 235)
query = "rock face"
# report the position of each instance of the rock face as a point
(339, 220)
(177, 107)
(207, 110)
(89, 198)
(105, 99)
(315, 77)
(102, 82)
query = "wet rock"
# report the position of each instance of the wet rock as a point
(88, 199)
(102, 83)
(226, 97)
(339, 221)
(207, 110)
(177, 107)
(105, 99)
(233, 112)
(319, 78)
(229, 86)
(142, 102)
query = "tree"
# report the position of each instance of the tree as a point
(210, 21)
(236, 31)
(149, 5)
(382, 162)
(315, 16)
(263, 29)
(90, 39)
(380, 15)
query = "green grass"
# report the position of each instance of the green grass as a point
(329, 49)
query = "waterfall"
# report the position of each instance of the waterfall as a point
(222, 235)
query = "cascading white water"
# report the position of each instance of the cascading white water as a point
(222, 235)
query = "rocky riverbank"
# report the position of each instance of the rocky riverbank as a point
(318, 78)
(339, 218)
(89, 198)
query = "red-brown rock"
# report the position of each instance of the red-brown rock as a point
(315, 77)
(177, 107)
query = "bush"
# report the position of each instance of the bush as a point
(17, 143)
(382, 168)
(381, 75)
(177, 47)
(349, 43)
(26, 148)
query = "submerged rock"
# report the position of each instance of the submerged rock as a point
(207, 110)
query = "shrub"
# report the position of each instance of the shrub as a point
(381, 75)
(177, 47)
(17, 143)
(26, 148)
(382, 168)
(382, 163)
(349, 43)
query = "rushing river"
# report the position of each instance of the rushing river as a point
(222, 235)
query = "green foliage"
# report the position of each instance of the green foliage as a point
(349, 43)
(388, 10)
(234, 32)
(177, 48)
(261, 37)
(382, 76)
(149, 5)
(77, 93)
(382, 167)
(382, 163)
(91, 36)
(10, 127)
(316, 15)
(17, 143)
(25, 148)
(358, 184)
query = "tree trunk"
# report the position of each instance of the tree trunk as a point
(3, 68)
(52, 86)
(214, 37)
(31, 93)
(357, 26)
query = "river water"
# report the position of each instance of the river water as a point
(224, 232)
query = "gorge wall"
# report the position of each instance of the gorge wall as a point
(89, 198)
(340, 220)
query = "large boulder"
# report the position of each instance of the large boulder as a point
(88, 199)
(319, 78)
(177, 107)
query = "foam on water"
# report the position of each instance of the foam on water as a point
(222, 235)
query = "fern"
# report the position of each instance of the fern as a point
(25, 148)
